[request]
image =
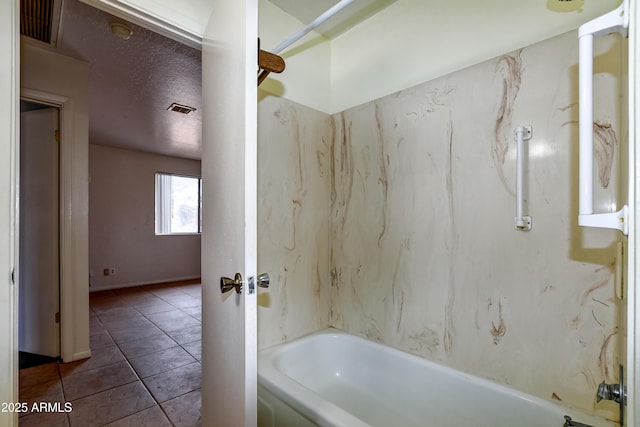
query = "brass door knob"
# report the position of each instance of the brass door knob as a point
(226, 284)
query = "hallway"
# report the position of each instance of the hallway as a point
(145, 366)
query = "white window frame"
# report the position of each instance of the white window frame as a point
(163, 209)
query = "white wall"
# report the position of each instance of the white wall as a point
(413, 41)
(294, 183)
(407, 43)
(9, 60)
(425, 256)
(67, 80)
(122, 221)
(306, 77)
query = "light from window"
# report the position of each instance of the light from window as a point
(178, 204)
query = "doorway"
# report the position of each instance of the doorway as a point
(39, 234)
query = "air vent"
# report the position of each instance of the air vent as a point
(39, 20)
(179, 108)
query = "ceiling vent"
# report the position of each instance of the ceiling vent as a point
(179, 108)
(40, 19)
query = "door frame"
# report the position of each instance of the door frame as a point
(9, 119)
(632, 367)
(150, 20)
(65, 108)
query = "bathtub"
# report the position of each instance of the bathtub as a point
(335, 379)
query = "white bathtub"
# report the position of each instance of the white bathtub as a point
(335, 379)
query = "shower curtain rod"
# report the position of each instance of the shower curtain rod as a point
(270, 62)
(312, 25)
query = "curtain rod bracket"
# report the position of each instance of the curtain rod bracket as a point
(268, 63)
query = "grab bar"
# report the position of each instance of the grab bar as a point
(614, 21)
(523, 222)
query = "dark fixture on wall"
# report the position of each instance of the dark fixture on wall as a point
(180, 108)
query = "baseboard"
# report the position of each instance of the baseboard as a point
(143, 283)
(80, 355)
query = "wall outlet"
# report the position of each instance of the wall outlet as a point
(111, 271)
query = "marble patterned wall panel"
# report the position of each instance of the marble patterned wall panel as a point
(424, 253)
(293, 219)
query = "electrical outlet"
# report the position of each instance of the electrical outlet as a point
(105, 272)
(112, 271)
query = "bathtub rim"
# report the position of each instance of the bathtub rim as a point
(296, 395)
(307, 402)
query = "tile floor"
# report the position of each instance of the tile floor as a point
(145, 365)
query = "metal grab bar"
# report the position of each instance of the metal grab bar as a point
(522, 222)
(614, 21)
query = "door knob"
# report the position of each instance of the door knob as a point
(226, 284)
(263, 280)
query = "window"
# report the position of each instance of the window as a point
(178, 204)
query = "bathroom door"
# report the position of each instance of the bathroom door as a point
(39, 279)
(229, 185)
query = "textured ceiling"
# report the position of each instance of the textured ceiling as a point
(133, 82)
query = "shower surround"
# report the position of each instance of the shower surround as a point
(394, 220)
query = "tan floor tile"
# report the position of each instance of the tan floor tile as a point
(95, 380)
(100, 340)
(161, 361)
(173, 320)
(194, 349)
(105, 304)
(174, 383)
(110, 405)
(184, 411)
(166, 292)
(45, 419)
(48, 391)
(39, 374)
(184, 336)
(195, 312)
(142, 299)
(116, 314)
(101, 357)
(135, 332)
(152, 417)
(146, 345)
(95, 326)
(124, 324)
(183, 301)
(156, 307)
(192, 290)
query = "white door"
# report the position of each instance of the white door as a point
(9, 54)
(39, 279)
(229, 184)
